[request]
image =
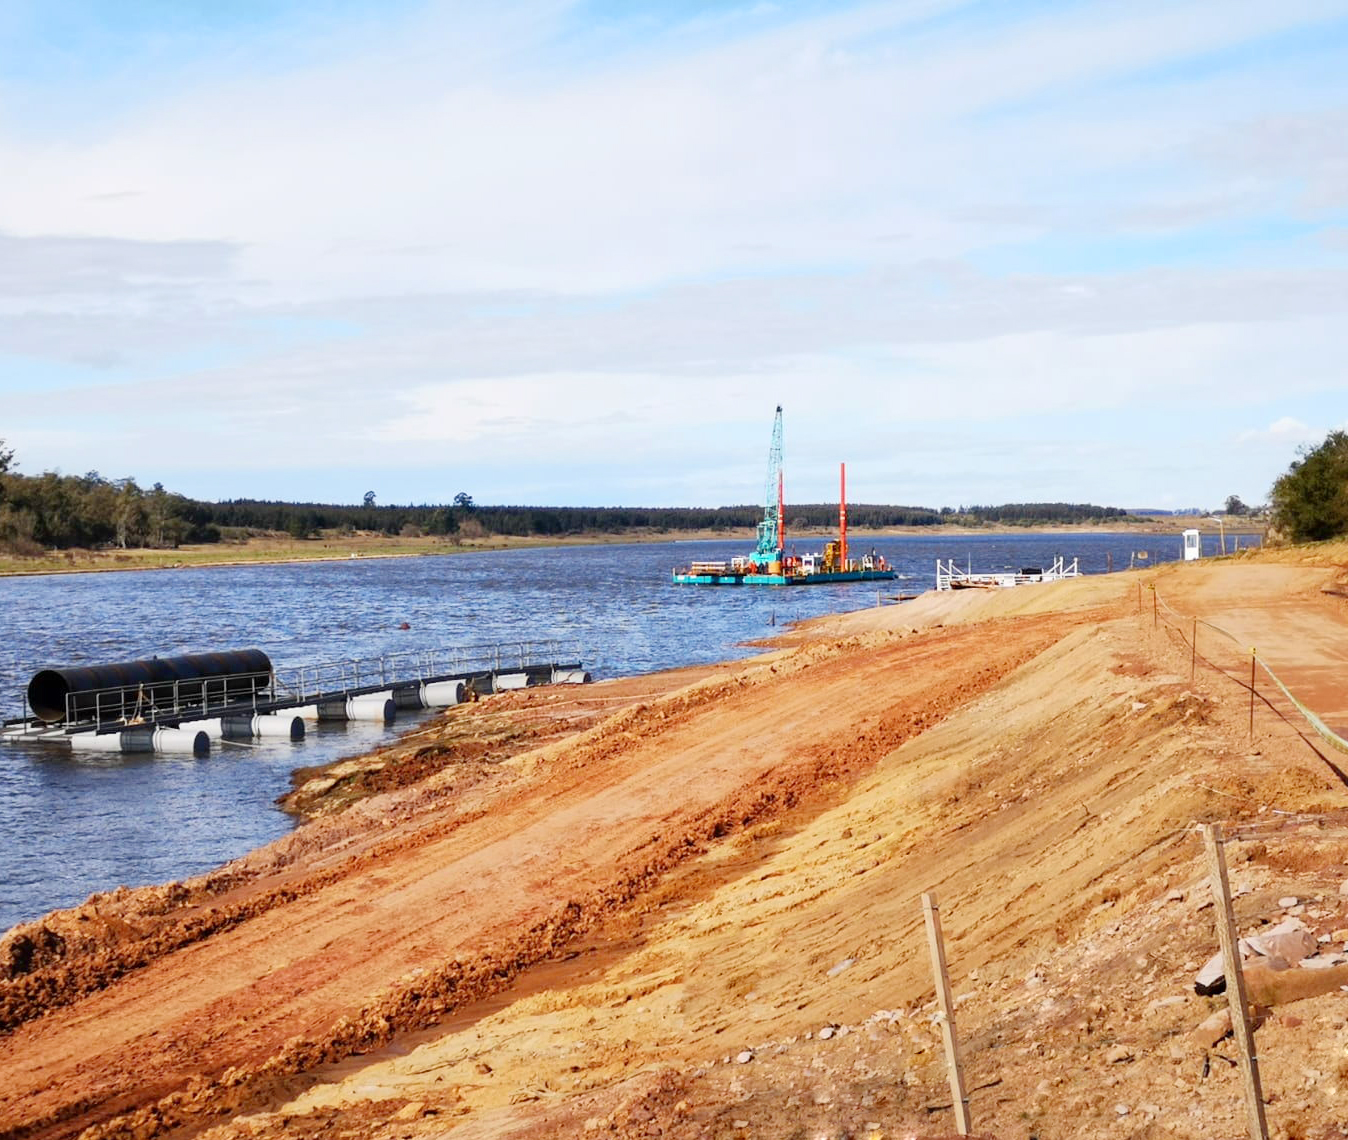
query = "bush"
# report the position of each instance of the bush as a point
(1310, 501)
(21, 547)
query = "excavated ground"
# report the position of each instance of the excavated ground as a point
(700, 915)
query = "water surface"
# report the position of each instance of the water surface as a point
(75, 824)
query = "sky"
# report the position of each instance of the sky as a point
(576, 253)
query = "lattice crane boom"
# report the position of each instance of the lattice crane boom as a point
(770, 530)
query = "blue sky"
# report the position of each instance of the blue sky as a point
(576, 253)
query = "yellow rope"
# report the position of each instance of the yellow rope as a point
(1323, 730)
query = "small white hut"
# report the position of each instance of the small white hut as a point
(1193, 545)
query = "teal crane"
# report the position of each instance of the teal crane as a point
(771, 539)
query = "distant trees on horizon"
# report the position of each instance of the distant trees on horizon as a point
(54, 511)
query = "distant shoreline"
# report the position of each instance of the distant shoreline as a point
(281, 550)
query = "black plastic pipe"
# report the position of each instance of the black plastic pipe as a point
(215, 679)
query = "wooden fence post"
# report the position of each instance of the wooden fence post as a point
(932, 913)
(1193, 651)
(1235, 982)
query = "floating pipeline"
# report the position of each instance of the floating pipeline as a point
(119, 692)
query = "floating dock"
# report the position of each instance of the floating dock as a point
(951, 577)
(185, 704)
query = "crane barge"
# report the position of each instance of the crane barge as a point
(769, 564)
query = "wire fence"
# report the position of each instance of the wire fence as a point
(1321, 729)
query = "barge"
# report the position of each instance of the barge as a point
(770, 564)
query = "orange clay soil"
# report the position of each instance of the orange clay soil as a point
(700, 915)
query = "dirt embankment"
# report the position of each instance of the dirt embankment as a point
(700, 915)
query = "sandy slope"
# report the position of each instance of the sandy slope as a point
(583, 943)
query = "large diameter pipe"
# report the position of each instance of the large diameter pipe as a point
(504, 681)
(369, 706)
(246, 726)
(570, 677)
(230, 676)
(195, 741)
(372, 706)
(278, 726)
(144, 738)
(442, 694)
(409, 696)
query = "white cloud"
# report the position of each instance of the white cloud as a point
(485, 236)
(1282, 429)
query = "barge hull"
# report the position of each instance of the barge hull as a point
(818, 578)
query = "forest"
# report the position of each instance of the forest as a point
(59, 512)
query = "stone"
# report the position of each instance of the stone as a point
(1119, 1054)
(1121, 1109)
(1175, 896)
(1212, 1029)
(841, 966)
(1288, 901)
(412, 1110)
(745, 1057)
(826, 1033)
(1343, 888)
(1340, 935)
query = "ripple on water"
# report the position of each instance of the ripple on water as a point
(73, 826)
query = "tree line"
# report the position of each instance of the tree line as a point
(54, 511)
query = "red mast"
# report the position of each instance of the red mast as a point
(781, 517)
(842, 514)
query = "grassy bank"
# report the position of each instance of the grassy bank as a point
(278, 547)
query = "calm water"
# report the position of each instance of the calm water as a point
(74, 826)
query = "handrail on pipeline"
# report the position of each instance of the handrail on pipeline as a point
(201, 697)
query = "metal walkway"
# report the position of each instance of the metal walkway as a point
(186, 715)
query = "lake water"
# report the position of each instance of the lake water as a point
(73, 825)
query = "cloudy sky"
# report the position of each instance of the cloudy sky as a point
(576, 252)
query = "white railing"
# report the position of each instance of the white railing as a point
(201, 697)
(951, 577)
(305, 682)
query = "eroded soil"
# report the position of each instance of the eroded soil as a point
(700, 915)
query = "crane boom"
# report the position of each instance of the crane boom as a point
(770, 536)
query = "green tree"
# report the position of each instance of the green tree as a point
(1310, 500)
(1235, 507)
(131, 517)
(6, 457)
